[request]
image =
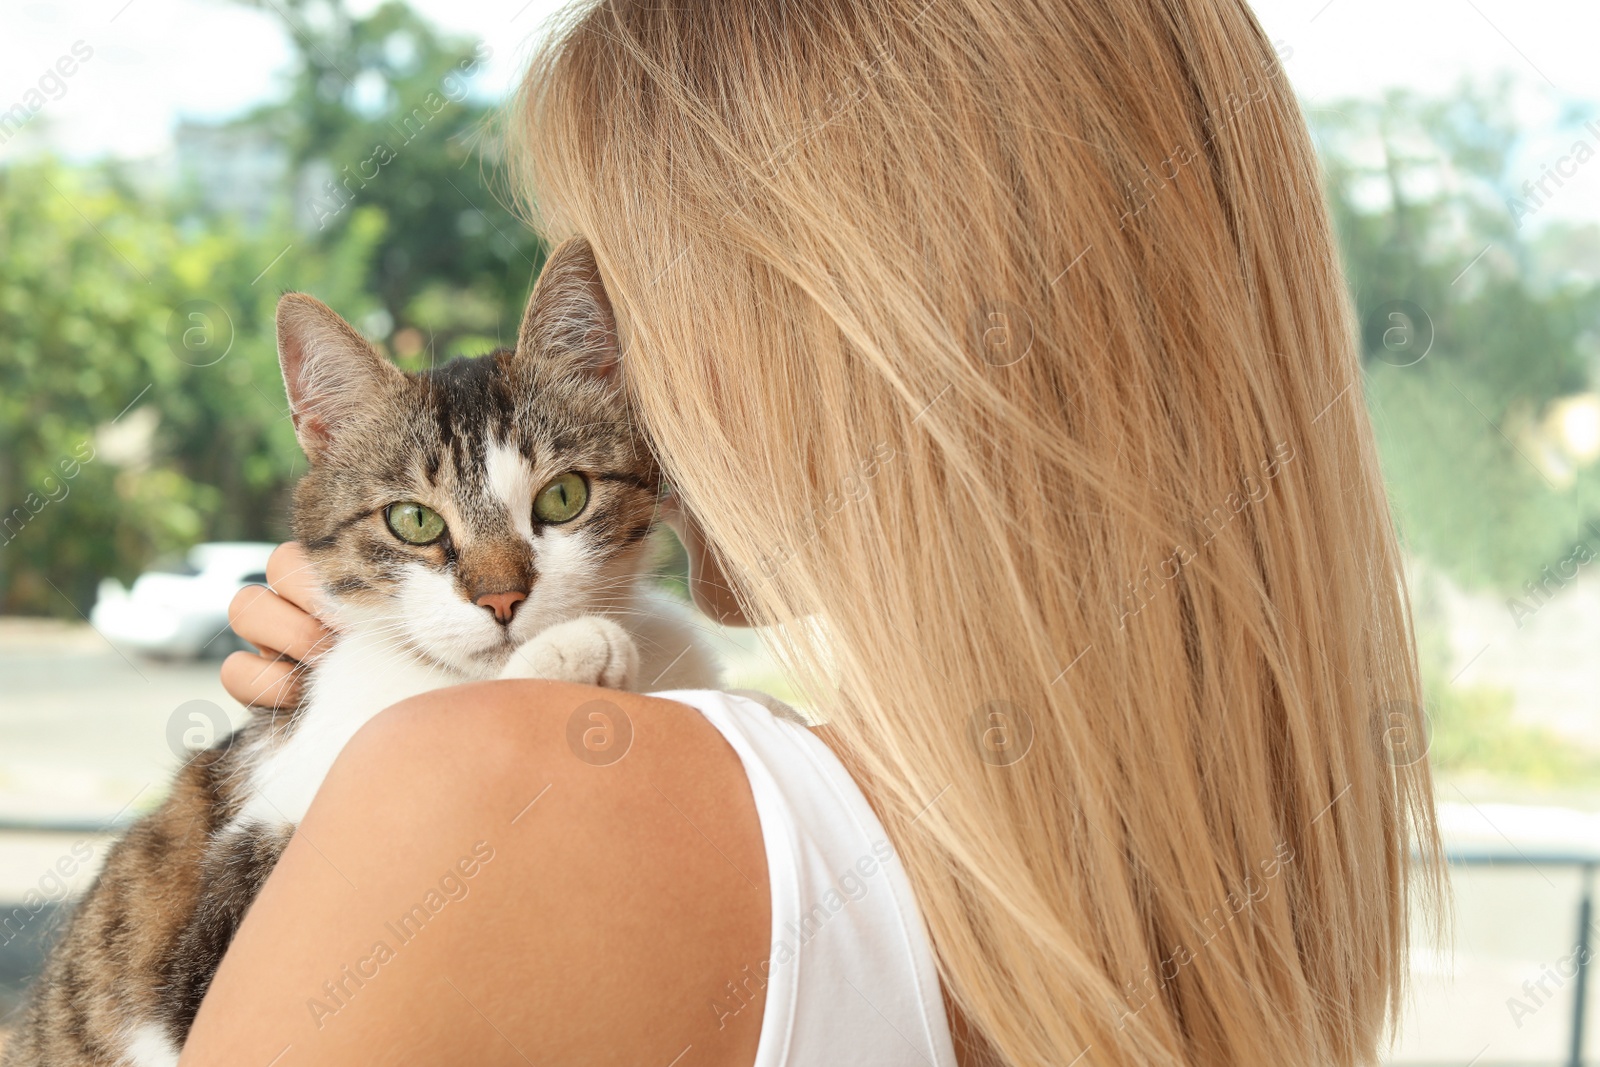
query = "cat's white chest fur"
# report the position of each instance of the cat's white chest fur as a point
(651, 648)
(359, 677)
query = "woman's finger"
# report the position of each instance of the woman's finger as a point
(289, 575)
(262, 681)
(268, 620)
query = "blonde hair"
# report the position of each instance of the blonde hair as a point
(1007, 341)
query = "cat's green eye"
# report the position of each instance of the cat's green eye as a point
(561, 499)
(414, 523)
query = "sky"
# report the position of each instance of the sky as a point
(155, 62)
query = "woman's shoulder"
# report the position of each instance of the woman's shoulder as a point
(508, 872)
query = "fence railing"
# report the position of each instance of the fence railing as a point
(63, 826)
(1585, 863)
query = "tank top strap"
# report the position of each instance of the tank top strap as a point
(850, 976)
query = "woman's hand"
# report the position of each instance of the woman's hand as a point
(277, 619)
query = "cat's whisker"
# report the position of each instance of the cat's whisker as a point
(471, 451)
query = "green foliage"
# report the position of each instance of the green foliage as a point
(1472, 331)
(380, 115)
(1467, 499)
(121, 324)
(1462, 375)
(1475, 732)
(391, 211)
(113, 298)
(63, 294)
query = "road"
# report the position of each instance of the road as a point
(84, 738)
(84, 730)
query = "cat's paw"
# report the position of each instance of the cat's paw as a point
(592, 650)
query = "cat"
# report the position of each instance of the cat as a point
(486, 519)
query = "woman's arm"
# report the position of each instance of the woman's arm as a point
(468, 888)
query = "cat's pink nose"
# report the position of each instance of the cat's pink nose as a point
(504, 605)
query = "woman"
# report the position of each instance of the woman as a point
(999, 351)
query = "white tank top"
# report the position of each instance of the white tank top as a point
(850, 977)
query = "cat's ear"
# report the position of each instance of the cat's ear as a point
(569, 322)
(330, 371)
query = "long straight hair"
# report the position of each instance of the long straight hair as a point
(1002, 350)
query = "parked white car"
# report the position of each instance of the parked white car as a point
(181, 612)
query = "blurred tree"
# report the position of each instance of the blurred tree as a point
(381, 114)
(1468, 346)
(162, 303)
(72, 282)
(141, 408)
(1473, 331)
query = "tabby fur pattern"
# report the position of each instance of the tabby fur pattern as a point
(473, 440)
